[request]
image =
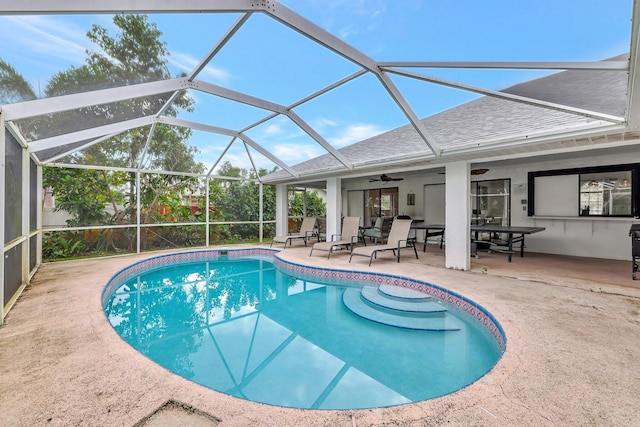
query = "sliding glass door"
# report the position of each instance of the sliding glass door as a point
(380, 202)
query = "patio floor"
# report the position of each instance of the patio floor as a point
(573, 351)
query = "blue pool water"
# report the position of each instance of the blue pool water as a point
(245, 328)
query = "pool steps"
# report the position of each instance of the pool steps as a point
(399, 307)
(417, 303)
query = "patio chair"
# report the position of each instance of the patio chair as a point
(307, 230)
(380, 230)
(398, 239)
(348, 238)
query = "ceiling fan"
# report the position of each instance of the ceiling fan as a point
(385, 178)
(479, 171)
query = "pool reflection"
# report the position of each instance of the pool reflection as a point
(247, 329)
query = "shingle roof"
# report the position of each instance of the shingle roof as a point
(489, 119)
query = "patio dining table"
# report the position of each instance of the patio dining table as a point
(514, 235)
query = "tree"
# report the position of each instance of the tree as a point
(238, 200)
(83, 193)
(315, 204)
(135, 55)
(13, 87)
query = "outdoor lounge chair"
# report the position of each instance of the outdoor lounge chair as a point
(348, 238)
(380, 230)
(398, 239)
(307, 230)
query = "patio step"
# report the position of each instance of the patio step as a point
(404, 293)
(410, 302)
(411, 312)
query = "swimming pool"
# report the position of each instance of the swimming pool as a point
(249, 324)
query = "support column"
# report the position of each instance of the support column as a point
(207, 216)
(138, 214)
(334, 206)
(457, 216)
(26, 207)
(282, 210)
(39, 183)
(261, 212)
(2, 213)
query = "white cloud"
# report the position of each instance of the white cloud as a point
(355, 133)
(48, 37)
(292, 153)
(324, 123)
(273, 129)
(362, 15)
(236, 160)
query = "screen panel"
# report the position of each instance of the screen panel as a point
(13, 189)
(33, 196)
(12, 272)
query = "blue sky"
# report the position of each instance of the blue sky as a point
(268, 60)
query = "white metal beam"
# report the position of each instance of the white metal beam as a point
(253, 165)
(174, 121)
(82, 147)
(510, 97)
(16, 133)
(268, 155)
(25, 205)
(223, 41)
(3, 189)
(229, 132)
(327, 88)
(57, 104)
(391, 88)
(515, 65)
(88, 134)
(145, 149)
(308, 98)
(312, 31)
(220, 157)
(233, 95)
(136, 6)
(317, 34)
(319, 139)
(633, 90)
(271, 106)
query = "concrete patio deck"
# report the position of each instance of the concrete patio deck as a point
(572, 358)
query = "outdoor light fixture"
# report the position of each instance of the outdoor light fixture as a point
(411, 199)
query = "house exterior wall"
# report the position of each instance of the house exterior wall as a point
(578, 236)
(597, 237)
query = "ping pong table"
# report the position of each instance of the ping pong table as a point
(514, 235)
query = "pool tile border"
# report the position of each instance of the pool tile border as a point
(460, 302)
(325, 275)
(190, 256)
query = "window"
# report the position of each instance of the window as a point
(600, 191)
(605, 193)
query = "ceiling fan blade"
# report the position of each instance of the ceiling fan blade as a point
(385, 178)
(479, 171)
